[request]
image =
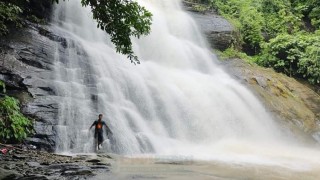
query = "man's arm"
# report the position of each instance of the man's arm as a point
(94, 123)
(108, 129)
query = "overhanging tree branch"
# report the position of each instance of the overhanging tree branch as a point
(121, 19)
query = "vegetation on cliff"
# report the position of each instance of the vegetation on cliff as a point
(14, 12)
(120, 19)
(9, 15)
(282, 34)
(296, 55)
(14, 126)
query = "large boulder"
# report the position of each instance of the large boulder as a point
(293, 103)
(219, 32)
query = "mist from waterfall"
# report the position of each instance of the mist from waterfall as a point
(178, 101)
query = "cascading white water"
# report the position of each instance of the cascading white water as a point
(177, 102)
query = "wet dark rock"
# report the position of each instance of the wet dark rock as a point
(43, 143)
(43, 110)
(27, 55)
(219, 32)
(13, 81)
(43, 130)
(33, 164)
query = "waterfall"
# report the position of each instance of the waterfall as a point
(178, 101)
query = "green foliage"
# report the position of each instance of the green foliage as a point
(9, 15)
(315, 16)
(121, 19)
(310, 10)
(251, 26)
(14, 127)
(309, 65)
(260, 20)
(234, 53)
(200, 8)
(284, 34)
(280, 16)
(198, 5)
(296, 55)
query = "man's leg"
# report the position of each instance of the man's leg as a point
(96, 139)
(100, 139)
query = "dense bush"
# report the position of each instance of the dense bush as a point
(257, 18)
(295, 55)
(14, 126)
(310, 9)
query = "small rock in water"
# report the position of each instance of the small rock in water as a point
(93, 160)
(9, 166)
(105, 156)
(77, 172)
(32, 147)
(33, 164)
(104, 164)
(99, 167)
(64, 166)
(34, 177)
(46, 163)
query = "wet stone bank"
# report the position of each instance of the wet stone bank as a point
(33, 164)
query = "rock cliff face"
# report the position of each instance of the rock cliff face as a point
(219, 32)
(294, 104)
(26, 66)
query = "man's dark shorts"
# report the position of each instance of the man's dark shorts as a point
(99, 135)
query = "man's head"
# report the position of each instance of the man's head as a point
(100, 116)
